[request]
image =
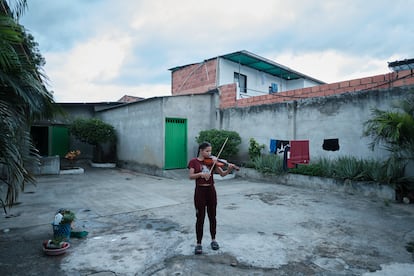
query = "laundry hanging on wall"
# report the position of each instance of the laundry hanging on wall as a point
(272, 146)
(331, 144)
(277, 146)
(299, 153)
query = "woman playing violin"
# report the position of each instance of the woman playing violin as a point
(205, 196)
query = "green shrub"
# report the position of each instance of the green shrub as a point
(217, 138)
(327, 166)
(269, 164)
(322, 167)
(92, 131)
(97, 133)
(374, 171)
(347, 167)
(255, 150)
(313, 169)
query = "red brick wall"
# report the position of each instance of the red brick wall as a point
(402, 78)
(195, 78)
(228, 95)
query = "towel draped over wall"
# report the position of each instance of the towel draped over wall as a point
(299, 153)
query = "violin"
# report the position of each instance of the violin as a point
(219, 162)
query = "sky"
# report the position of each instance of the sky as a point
(101, 50)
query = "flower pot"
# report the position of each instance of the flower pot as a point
(53, 250)
(62, 231)
(71, 170)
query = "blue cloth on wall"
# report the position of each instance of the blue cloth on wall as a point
(273, 144)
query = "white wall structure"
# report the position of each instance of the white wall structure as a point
(258, 82)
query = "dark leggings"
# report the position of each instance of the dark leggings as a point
(205, 197)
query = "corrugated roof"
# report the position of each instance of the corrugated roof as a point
(400, 65)
(251, 60)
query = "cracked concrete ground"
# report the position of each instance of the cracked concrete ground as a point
(144, 225)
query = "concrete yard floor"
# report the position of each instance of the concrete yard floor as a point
(144, 225)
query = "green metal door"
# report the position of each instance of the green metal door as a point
(58, 140)
(175, 143)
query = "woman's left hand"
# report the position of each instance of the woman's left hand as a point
(231, 166)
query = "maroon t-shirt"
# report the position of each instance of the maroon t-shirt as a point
(199, 166)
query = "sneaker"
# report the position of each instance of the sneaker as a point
(214, 245)
(198, 249)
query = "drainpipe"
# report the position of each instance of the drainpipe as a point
(214, 109)
(293, 111)
(217, 72)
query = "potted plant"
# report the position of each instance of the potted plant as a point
(71, 156)
(55, 247)
(62, 224)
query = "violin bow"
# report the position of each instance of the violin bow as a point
(218, 155)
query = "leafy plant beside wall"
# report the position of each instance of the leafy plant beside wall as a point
(98, 134)
(345, 167)
(217, 138)
(255, 149)
(394, 130)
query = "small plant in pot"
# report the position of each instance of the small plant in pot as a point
(55, 247)
(100, 135)
(55, 243)
(71, 156)
(62, 225)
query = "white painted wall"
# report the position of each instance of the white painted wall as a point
(257, 82)
(296, 84)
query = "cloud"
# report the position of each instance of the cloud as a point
(103, 49)
(87, 70)
(99, 59)
(332, 66)
(58, 25)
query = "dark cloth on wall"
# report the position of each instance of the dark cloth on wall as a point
(281, 144)
(277, 146)
(331, 144)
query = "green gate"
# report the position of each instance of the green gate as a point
(175, 143)
(58, 140)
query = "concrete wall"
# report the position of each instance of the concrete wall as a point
(47, 165)
(339, 116)
(384, 81)
(140, 127)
